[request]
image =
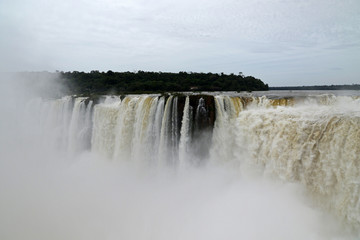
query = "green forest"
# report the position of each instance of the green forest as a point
(96, 82)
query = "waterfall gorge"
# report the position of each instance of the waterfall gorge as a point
(313, 141)
(287, 138)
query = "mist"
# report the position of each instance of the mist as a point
(48, 194)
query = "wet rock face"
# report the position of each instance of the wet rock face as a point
(203, 122)
(204, 111)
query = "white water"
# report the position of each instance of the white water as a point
(165, 134)
(54, 118)
(80, 126)
(315, 145)
(185, 135)
(227, 110)
(105, 119)
(261, 190)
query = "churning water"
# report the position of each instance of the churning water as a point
(210, 166)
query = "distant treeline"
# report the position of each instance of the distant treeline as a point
(96, 82)
(322, 87)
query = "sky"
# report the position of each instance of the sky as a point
(282, 42)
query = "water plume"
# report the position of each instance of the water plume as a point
(114, 189)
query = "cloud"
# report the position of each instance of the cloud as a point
(174, 35)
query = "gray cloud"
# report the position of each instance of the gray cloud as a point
(262, 38)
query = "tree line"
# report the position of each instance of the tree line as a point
(96, 82)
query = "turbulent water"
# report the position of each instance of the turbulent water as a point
(288, 156)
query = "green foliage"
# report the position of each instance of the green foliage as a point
(129, 82)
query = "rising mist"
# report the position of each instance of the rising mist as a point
(47, 193)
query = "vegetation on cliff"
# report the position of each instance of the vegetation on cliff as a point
(96, 82)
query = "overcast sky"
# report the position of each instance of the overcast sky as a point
(282, 42)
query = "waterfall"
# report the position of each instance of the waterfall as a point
(142, 150)
(124, 129)
(103, 134)
(202, 132)
(156, 129)
(164, 146)
(55, 119)
(77, 123)
(185, 134)
(174, 142)
(315, 145)
(227, 110)
(312, 140)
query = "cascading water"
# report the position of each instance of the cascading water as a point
(166, 134)
(227, 110)
(174, 142)
(53, 119)
(185, 134)
(80, 126)
(311, 140)
(156, 129)
(317, 145)
(143, 147)
(103, 134)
